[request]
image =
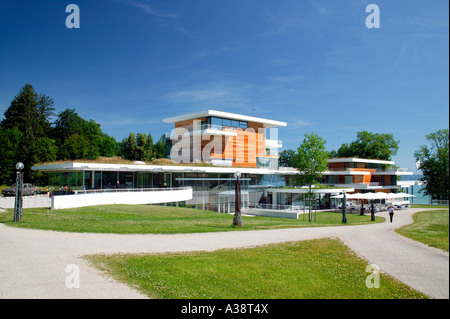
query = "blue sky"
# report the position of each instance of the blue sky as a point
(311, 63)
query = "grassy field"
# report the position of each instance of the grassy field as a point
(429, 206)
(315, 269)
(429, 227)
(148, 219)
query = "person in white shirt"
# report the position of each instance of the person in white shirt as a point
(391, 212)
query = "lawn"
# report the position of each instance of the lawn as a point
(430, 228)
(149, 219)
(314, 269)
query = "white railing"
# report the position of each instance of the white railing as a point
(126, 190)
(122, 196)
(280, 207)
(274, 143)
(392, 170)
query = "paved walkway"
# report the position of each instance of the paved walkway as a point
(33, 262)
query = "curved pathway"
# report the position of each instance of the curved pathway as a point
(33, 263)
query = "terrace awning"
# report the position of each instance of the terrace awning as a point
(371, 196)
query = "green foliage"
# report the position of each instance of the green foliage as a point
(140, 147)
(9, 146)
(434, 164)
(29, 114)
(78, 138)
(285, 159)
(45, 150)
(137, 148)
(311, 159)
(77, 146)
(160, 147)
(29, 111)
(108, 146)
(369, 145)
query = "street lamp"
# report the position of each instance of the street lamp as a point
(237, 219)
(18, 200)
(344, 208)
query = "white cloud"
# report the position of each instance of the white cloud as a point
(320, 9)
(150, 10)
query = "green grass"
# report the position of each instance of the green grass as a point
(314, 269)
(430, 228)
(428, 206)
(148, 219)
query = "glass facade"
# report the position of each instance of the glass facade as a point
(211, 191)
(66, 180)
(219, 123)
(105, 180)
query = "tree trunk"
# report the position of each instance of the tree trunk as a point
(237, 219)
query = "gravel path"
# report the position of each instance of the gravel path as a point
(33, 263)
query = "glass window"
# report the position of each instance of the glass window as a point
(87, 179)
(243, 124)
(348, 179)
(109, 180)
(98, 180)
(235, 123)
(216, 121)
(226, 122)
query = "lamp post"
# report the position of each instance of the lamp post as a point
(18, 200)
(344, 208)
(237, 219)
(372, 214)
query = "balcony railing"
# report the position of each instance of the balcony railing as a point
(274, 143)
(378, 170)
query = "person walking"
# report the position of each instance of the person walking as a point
(391, 212)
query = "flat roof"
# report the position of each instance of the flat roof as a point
(191, 116)
(358, 160)
(79, 167)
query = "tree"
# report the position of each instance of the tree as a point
(144, 147)
(67, 124)
(434, 164)
(285, 159)
(30, 113)
(128, 147)
(69, 127)
(311, 161)
(108, 146)
(160, 148)
(76, 147)
(137, 147)
(29, 110)
(370, 145)
(9, 146)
